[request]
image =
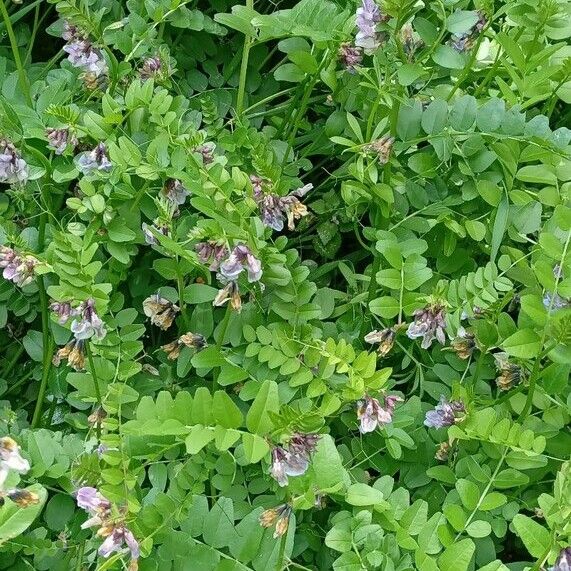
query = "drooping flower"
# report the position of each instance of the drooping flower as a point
(73, 352)
(194, 340)
(211, 253)
(367, 17)
(64, 311)
(230, 292)
(563, 562)
(385, 339)
(429, 323)
(350, 56)
(161, 311)
(443, 451)
(175, 192)
(510, 374)
(239, 259)
(278, 516)
(95, 160)
(258, 184)
(371, 413)
(90, 324)
(411, 41)
(445, 413)
(464, 343)
(293, 459)
(17, 268)
(60, 139)
(382, 148)
(81, 52)
(11, 459)
(276, 209)
(206, 150)
(116, 537)
(13, 168)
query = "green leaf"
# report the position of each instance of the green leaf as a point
(448, 57)
(434, 117)
(339, 538)
(363, 495)
(348, 562)
(463, 113)
(255, 447)
(461, 21)
(219, 524)
(409, 118)
(500, 225)
(198, 437)
(535, 537)
(267, 400)
(523, 344)
(469, 493)
(457, 556)
(479, 529)
(225, 411)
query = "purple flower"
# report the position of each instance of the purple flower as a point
(13, 168)
(445, 414)
(114, 543)
(429, 323)
(59, 139)
(11, 459)
(211, 253)
(239, 259)
(367, 17)
(151, 68)
(563, 562)
(90, 324)
(371, 413)
(18, 269)
(82, 54)
(553, 301)
(90, 500)
(175, 192)
(350, 56)
(276, 209)
(293, 460)
(95, 160)
(158, 226)
(207, 152)
(64, 311)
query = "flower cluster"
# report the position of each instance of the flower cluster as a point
(82, 53)
(175, 192)
(274, 209)
(60, 139)
(371, 413)
(382, 148)
(385, 339)
(86, 324)
(17, 268)
(367, 17)
(278, 516)
(94, 160)
(194, 340)
(160, 311)
(293, 459)
(211, 253)
(112, 529)
(411, 41)
(429, 323)
(445, 414)
(464, 42)
(13, 168)
(510, 374)
(464, 343)
(240, 258)
(350, 56)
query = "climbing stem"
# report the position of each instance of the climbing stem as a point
(244, 66)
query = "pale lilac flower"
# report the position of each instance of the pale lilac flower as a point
(175, 192)
(276, 209)
(70, 32)
(211, 253)
(239, 259)
(90, 500)
(371, 413)
(563, 562)
(257, 184)
(13, 168)
(59, 139)
(84, 55)
(64, 311)
(350, 56)
(95, 160)
(429, 323)
(445, 414)
(11, 459)
(293, 460)
(114, 543)
(90, 324)
(368, 16)
(207, 152)
(18, 269)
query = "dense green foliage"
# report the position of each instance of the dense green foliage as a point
(285, 285)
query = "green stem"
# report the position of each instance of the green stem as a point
(80, 551)
(22, 77)
(15, 356)
(95, 383)
(281, 554)
(221, 335)
(244, 66)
